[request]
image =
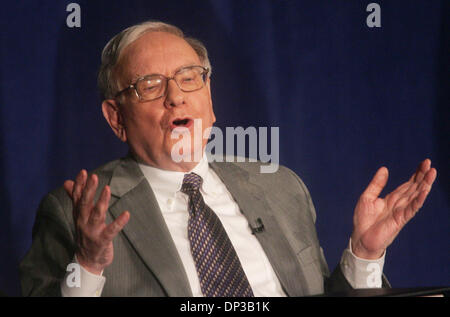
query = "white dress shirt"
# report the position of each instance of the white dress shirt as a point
(173, 203)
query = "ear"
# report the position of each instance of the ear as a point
(208, 86)
(113, 116)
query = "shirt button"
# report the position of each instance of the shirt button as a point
(170, 202)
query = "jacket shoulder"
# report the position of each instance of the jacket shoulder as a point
(61, 199)
(282, 178)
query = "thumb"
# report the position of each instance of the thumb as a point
(377, 184)
(68, 186)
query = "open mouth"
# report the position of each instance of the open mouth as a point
(181, 123)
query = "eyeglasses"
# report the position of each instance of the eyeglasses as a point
(151, 87)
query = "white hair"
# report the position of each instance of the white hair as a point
(111, 52)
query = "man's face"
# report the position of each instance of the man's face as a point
(148, 125)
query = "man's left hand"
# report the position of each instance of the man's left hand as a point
(377, 221)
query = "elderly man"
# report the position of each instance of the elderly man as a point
(148, 225)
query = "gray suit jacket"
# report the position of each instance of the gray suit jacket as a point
(146, 262)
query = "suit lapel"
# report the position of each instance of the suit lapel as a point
(149, 235)
(146, 229)
(250, 198)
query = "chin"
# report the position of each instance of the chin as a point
(185, 148)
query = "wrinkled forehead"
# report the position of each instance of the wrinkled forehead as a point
(154, 53)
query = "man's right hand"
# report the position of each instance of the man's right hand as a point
(93, 236)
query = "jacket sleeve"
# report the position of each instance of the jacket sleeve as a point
(44, 266)
(336, 282)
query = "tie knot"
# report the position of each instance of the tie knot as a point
(191, 183)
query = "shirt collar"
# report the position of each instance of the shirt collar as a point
(169, 182)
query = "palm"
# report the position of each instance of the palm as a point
(377, 221)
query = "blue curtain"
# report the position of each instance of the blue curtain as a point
(347, 99)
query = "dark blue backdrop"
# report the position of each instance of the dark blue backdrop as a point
(347, 99)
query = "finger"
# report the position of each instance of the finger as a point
(116, 226)
(423, 167)
(80, 182)
(427, 181)
(68, 187)
(412, 194)
(404, 212)
(77, 189)
(417, 178)
(87, 198)
(377, 184)
(411, 202)
(407, 202)
(411, 190)
(430, 176)
(98, 213)
(416, 204)
(396, 195)
(400, 190)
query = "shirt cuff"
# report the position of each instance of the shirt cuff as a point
(361, 273)
(79, 282)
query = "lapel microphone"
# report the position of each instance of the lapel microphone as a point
(258, 226)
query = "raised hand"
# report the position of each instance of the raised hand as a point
(377, 221)
(93, 237)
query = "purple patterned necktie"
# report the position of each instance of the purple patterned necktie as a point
(218, 266)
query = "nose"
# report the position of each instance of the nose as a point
(174, 95)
